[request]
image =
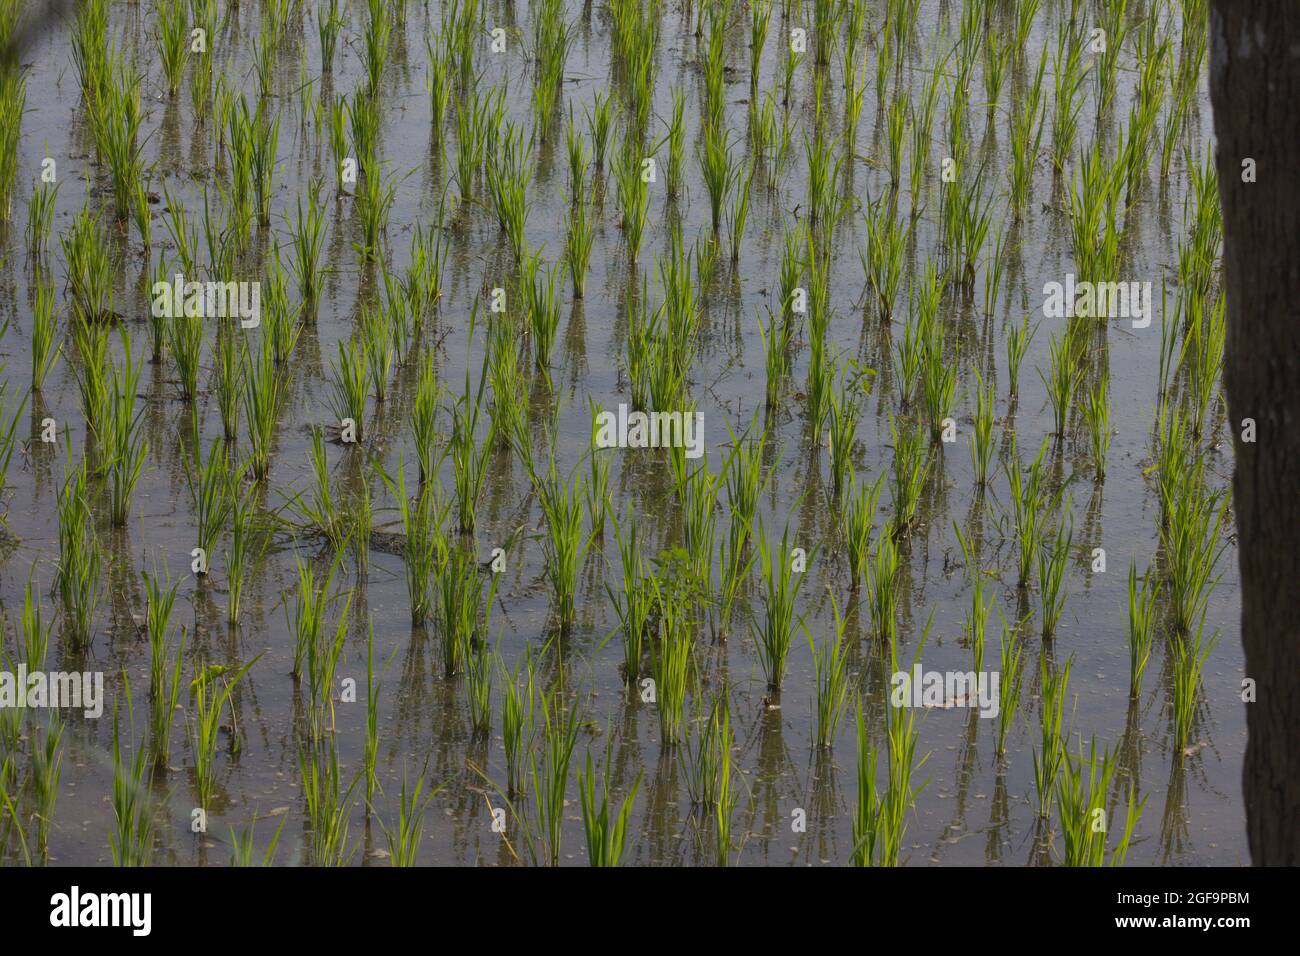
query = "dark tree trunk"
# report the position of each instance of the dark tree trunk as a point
(1254, 48)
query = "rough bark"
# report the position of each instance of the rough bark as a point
(1254, 48)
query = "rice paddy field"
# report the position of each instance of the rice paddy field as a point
(366, 583)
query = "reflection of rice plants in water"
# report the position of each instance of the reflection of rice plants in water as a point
(382, 514)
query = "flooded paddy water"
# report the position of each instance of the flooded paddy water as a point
(808, 237)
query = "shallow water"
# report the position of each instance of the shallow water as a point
(973, 809)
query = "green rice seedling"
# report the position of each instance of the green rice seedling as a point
(564, 546)
(328, 803)
(1096, 411)
(542, 295)
(47, 762)
(90, 273)
(329, 20)
(374, 47)
(337, 128)
(996, 57)
(1050, 754)
(92, 375)
(508, 173)
(550, 777)
(774, 630)
(635, 605)
(405, 838)
(883, 259)
(1064, 378)
(670, 655)
(1141, 625)
(308, 621)
(517, 719)
(321, 658)
(855, 93)
(377, 349)
(910, 469)
(739, 212)
(606, 833)
(704, 751)
(241, 845)
(462, 609)
(323, 512)
(859, 519)
(725, 803)
(1189, 652)
(742, 475)
(172, 37)
(46, 346)
(552, 38)
(228, 376)
(78, 578)
(576, 152)
(1068, 71)
(439, 86)
(600, 122)
(8, 776)
(124, 446)
(1026, 141)
(40, 216)
(164, 686)
(424, 417)
(183, 233)
(13, 103)
(350, 374)
(479, 667)
(633, 196)
(842, 434)
(135, 818)
(977, 621)
(675, 171)
(819, 389)
(211, 494)
(212, 690)
(509, 409)
(900, 791)
(867, 808)
(1081, 797)
(469, 459)
(717, 171)
(734, 562)
(1189, 538)
(422, 531)
(185, 338)
(263, 392)
(244, 551)
(1206, 340)
(1051, 576)
(895, 131)
(831, 680)
(1025, 12)
(374, 200)
(1010, 683)
(116, 118)
(777, 337)
(36, 635)
(1031, 504)
(938, 381)
(423, 283)
(142, 214)
(981, 448)
(577, 247)
(308, 231)
(1018, 339)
